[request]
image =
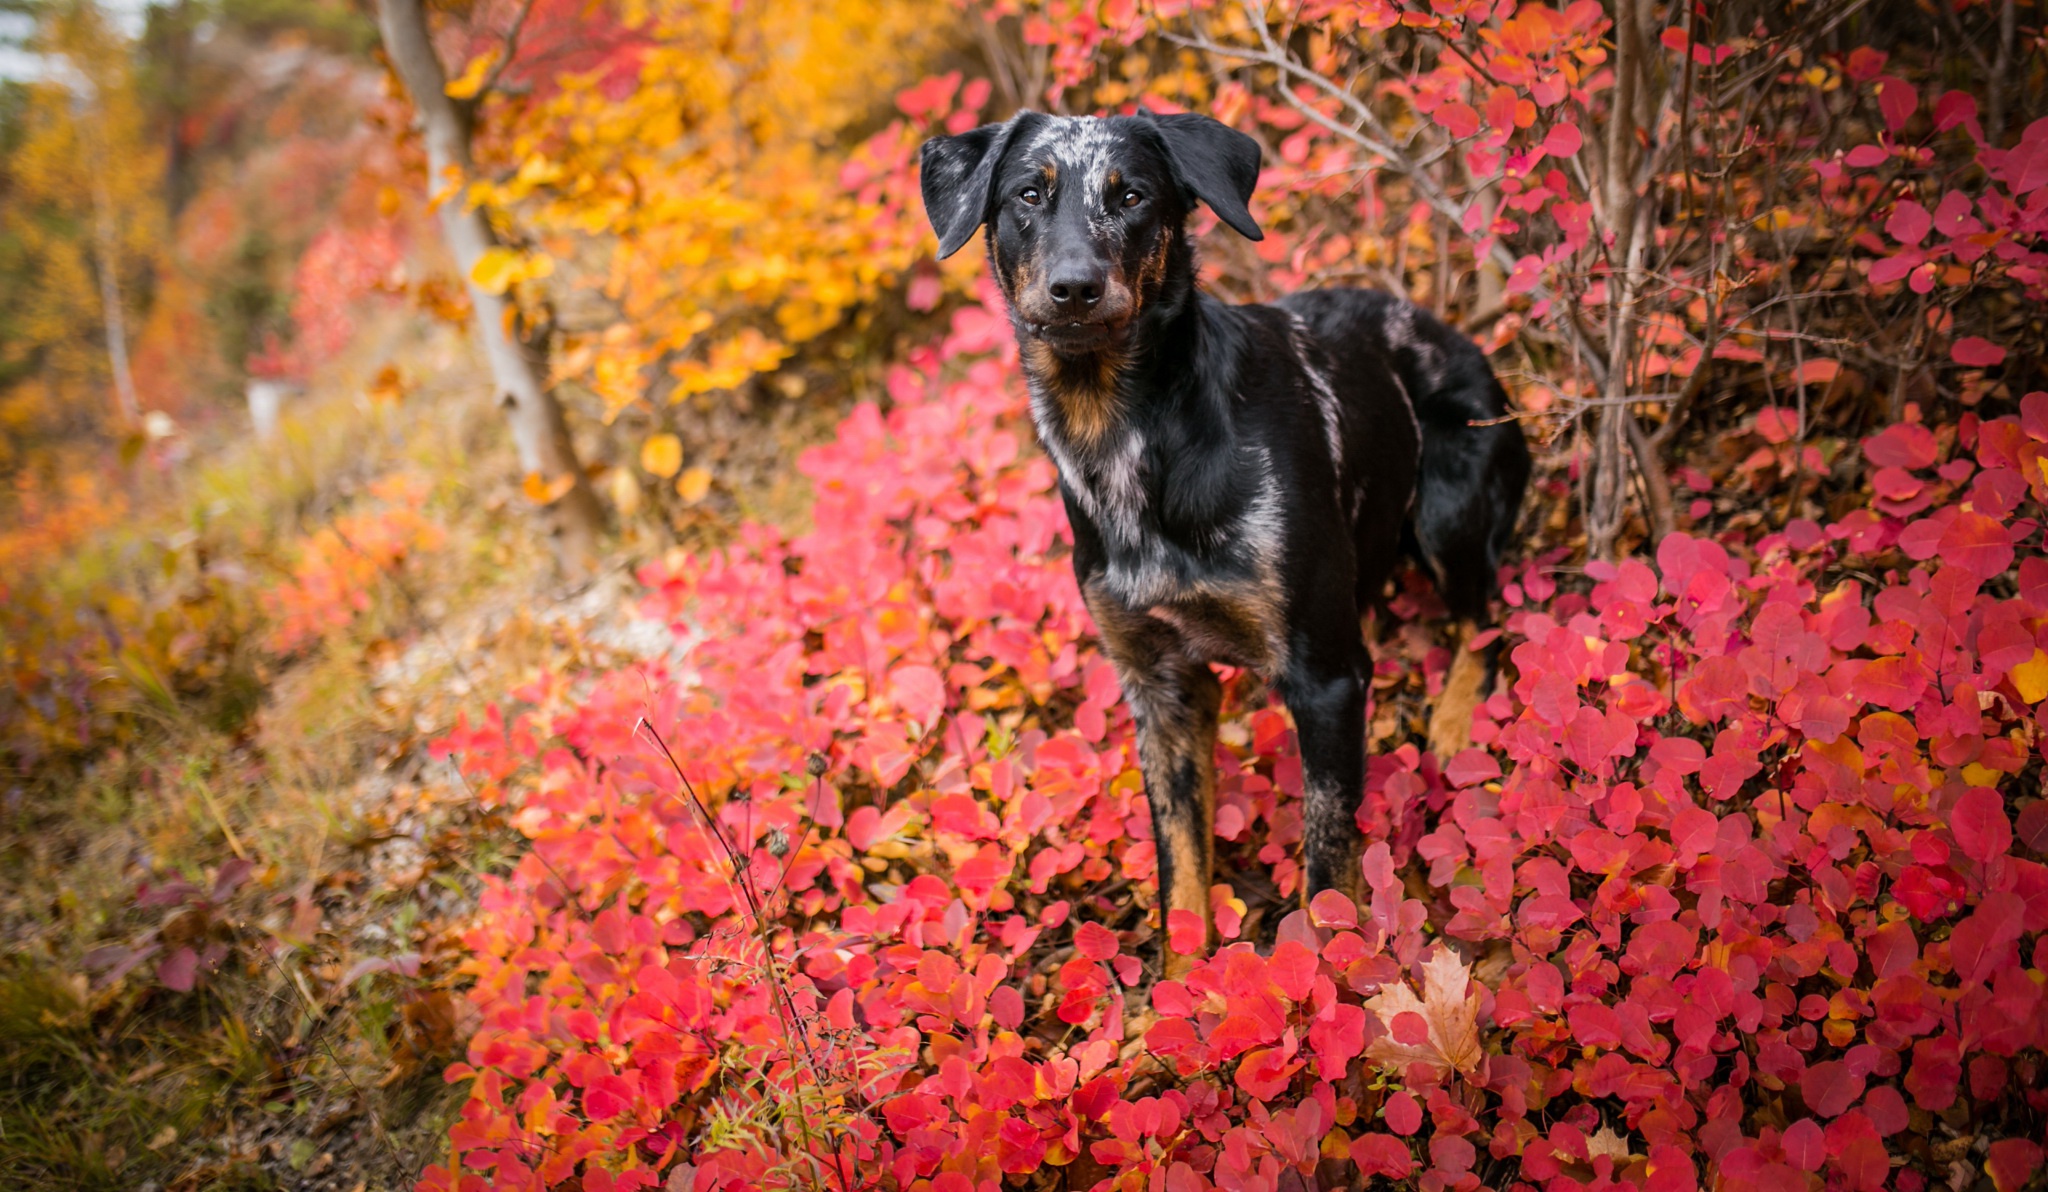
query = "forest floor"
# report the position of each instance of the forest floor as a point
(232, 940)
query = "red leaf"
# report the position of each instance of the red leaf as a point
(1093, 941)
(1333, 909)
(1382, 1154)
(1979, 545)
(1563, 140)
(1184, 932)
(1337, 1039)
(1403, 1113)
(1662, 949)
(2012, 1163)
(1909, 223)
(1897, 100)
(608, 1096)
(1904, 445)
(1953, 108)
(1778, 424)
(1804, 1146)
(1975, 351)
(1830, 1088)
(1858, 1153)
(1937, 1070)
(1006, 1006)
(1265, 1072)
(1460, 119)
(1980, 824)
(1472, 767)
(1929, 894)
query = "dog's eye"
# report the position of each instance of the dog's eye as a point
(1030, 195)
(1132, 198)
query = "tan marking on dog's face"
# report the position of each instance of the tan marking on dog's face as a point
(1151, 273)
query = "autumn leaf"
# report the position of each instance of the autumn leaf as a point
(501, 268)
(662, 455)
(1449, 1039)
(693, 484)
(471, 80)
(542, 491)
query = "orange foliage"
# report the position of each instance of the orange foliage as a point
(342, 564)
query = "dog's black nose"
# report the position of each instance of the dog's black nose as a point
(1076, 287)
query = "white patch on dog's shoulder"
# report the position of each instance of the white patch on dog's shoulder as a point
(1319, 386)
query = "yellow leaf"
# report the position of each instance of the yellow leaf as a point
(1977, 775)
(693, 484)
(542, 491)
(496, 270)
(2030, 678)
(662, 455)
(471, 80)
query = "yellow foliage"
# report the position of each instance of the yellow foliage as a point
(710, 197)
(86, 150)
(662, 455)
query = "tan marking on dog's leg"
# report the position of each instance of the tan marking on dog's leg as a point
(1175, 700)
(1189, 891)
(1450, 722)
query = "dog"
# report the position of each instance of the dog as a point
(1241, 480)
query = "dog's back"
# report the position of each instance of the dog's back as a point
(1475, 462)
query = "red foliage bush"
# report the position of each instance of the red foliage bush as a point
(1731, 854)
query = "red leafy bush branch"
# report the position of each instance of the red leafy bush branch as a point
(1740, 857)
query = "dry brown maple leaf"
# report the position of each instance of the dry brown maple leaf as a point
(1451, 1015)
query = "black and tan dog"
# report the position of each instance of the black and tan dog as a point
(1241, 479)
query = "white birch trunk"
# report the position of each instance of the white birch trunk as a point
(539, 431)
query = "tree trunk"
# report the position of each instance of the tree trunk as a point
(1607, 475)
(539, 430)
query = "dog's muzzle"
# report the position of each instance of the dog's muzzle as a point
(1074, 339)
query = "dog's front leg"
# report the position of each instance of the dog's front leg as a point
(1175, 700)
(1327, 698)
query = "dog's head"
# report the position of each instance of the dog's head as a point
(1084, 213)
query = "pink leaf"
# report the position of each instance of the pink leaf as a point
(1897, 100)
(1093, 941)
(1460, 119)
(1333, 909)
(1382, 1154)
(1563, 140)
(1977, 352)
(1403, 1113)
(1953, 108)
(1909, 223)
(1980, 824)
(1804, 1145)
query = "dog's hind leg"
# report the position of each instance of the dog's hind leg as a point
(1467, 497)
(1175, 701)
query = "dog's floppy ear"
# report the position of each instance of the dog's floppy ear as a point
(957, 174)
(1219, 164)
